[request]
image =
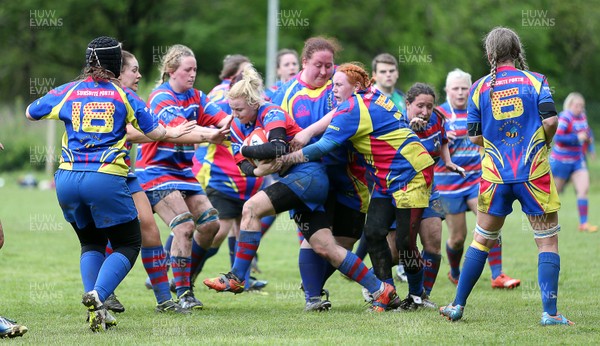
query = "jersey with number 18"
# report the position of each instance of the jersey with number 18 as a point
(95, 115)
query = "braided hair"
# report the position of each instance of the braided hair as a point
(356, 74)
(501, 45)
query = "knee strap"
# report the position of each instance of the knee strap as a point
(210, 215)
(181, 218)
(487, 234)
(547, 233)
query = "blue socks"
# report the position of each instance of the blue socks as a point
(312, 270)
(548, 269)
(246, 250)
(472, 268)
(113, 271)
(90, 263)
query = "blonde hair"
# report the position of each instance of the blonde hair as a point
(570, 98)
(250, 87)
(172, 60)
(503, 44)
(356, 74)
(458, 74)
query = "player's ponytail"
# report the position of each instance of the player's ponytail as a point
(250, 87)
(503, 45)
(171, 61)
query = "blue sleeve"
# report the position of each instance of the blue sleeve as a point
(473, 109)
(315, 151)
(145, 120)
(567, 138)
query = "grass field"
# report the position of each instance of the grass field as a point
(41, 288)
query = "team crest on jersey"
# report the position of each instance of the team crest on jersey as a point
(512, 134)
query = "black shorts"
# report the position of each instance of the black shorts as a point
(345, 221)
(228, 207)
(309, 222)
(283, 198)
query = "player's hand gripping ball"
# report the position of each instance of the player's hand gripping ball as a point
(256, 137)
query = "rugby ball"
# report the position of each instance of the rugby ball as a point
(257, 137)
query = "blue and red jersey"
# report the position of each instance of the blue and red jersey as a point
(164, 165)
(272, 91)
(432, 136)
(215, 164)
(95, 116)
(463, 152)
(513, 136)
(219, 92)
(374, 127)
(567, 147)
(269, 116)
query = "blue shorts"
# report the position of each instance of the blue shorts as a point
(537, 197)
(564, 170)
(309, 182)
(435, 206)
(156, 196)
(101, 198)
(133, 184)
(458, 203)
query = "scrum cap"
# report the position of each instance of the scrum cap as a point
(104, 52)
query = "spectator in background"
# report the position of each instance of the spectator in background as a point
(385, 73)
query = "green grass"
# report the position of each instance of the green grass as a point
(41, 288)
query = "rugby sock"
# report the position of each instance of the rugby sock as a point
(454, 257)
(475, 258)
(495, 260)
(582, 207)
(113, 271)
(246, 250)
(312, 271)
(108, 250)
(181, 267)
(198, 269)
(90, 263)
(266, 223)
(548, 269)
(232, 244)
(361, 250)
(300, 236)
(415, 282)
(354, 268)
(155, 262)
(431, 266)
(168, 244)
(328, 270)
(198, 255)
